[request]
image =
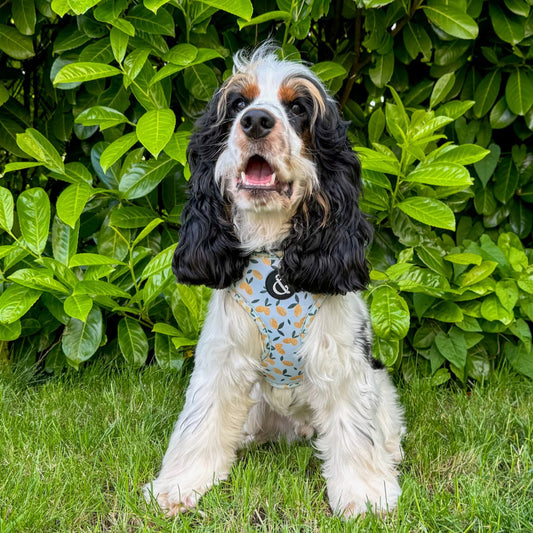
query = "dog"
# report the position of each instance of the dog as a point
(272, 223)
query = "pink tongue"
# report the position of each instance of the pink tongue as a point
(258, 171)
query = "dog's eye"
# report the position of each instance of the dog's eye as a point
(296, 109)
(240, 104)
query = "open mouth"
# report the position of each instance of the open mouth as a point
(260, 176)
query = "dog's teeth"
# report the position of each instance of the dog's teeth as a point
(243, 177)
(273, 178)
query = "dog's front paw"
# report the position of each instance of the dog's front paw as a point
(172, 497)
(358, 498)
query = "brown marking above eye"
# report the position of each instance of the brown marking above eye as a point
(250, 91)
(286, 94)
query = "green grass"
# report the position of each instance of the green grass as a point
(75, 450)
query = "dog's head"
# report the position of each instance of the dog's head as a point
(271, 167)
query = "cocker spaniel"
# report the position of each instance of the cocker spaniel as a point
(272, 222)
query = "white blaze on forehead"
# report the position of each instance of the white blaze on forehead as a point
(271, 76)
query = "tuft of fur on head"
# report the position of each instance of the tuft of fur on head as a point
(272, 168)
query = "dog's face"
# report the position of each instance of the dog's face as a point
(270, 108)
(271, 167)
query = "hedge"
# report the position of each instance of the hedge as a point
(97, 101)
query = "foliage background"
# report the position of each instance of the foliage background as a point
(98, 97)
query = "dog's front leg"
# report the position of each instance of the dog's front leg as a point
(210, 428)
(359, 467)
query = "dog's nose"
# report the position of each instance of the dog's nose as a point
(257, 123)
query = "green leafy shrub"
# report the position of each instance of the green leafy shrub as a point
(97, 100)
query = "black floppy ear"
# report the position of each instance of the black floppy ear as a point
(208, 251)
(325, 251)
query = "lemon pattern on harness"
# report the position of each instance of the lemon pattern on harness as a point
(281, 314)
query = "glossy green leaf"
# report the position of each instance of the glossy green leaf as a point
(24, 17)
(328, 70)
(455, 108)
(100, 288)
(452, 20)
(183, 342)
(132, 217)
(417, 41)
(519, 91)
(521, 219)
(78, 306)
(10, 332)
(382, 69)
(144, 177)
(521, 357)
(265, 17)
(443, 174)
(494, 311)
(429, 211)
(486, 167)
(64, 240)
(33, 209)
(389, 314)
(464, 258)
(182, 54)
(119, 43)
(160, 23)
(166, 329)
(162, 261)
(132, 341)
(441, 89)
(81, 339)
(518, 7)
(135, 61)
(38, 279)
(452, 346)
(36, 145)
(155, 129)
(166, 354)
(87, 71)
(506, 180)
(72, 201)
(117, 149)
(104, 117)
(464, 154)
(15, 302)
(445, 311)
(487, 92)
(13, 167)
(386, 351)
(478, 273)
(241, 8)
(507, 27)
(6, 209)
(200, 81)
(90, 259)
(500, 115)
(99, 51)
(507, 293)
(376, 125)
(61, 7)
(14, 44)
(147, 230)
(176, 148)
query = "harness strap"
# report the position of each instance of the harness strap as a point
(281, 314)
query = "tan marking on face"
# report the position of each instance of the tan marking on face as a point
(250, 91)
(239, 82)
(287, 94)
(301, 87)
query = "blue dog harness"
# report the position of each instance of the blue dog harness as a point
(281, 315)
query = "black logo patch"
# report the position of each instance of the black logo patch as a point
(276, 287)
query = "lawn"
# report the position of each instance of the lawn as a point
(75, 450)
